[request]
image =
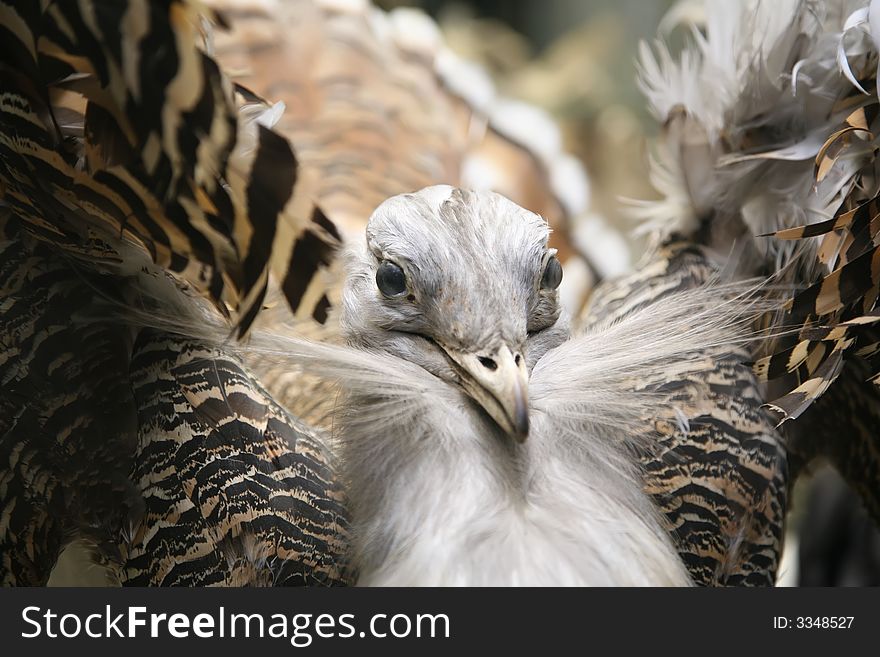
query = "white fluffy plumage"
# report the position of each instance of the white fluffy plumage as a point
(440, 499)
(746, 107)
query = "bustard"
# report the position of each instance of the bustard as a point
(134, 178)
(126, 177)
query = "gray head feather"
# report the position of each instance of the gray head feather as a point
(473, 262)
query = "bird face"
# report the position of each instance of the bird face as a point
(459, 283)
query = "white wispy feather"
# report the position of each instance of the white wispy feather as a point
(439, 499)
(773, 69)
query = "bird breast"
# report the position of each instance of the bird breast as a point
(441, 498)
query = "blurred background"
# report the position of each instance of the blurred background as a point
(576, 60)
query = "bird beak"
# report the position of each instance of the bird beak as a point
(499, 383)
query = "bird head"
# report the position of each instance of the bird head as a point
(463, 284)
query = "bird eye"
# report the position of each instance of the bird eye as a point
(552, 274)
(390, 279)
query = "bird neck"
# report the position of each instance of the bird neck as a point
(443, 499)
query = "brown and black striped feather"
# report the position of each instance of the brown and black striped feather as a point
(67, 414)
(832, 307)
(717, 467)
(843, 428)
(165, 457)
(236, 491)
(124, 127)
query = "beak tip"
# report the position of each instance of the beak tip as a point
(499, 383)
(521, 425)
